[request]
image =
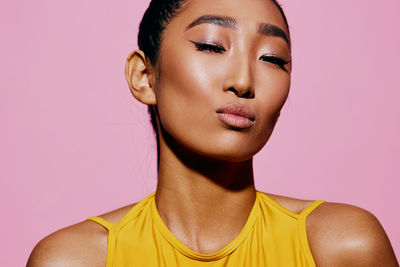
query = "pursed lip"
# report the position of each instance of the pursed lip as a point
(236, 115)
(238, 109)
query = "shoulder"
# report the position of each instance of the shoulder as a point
(82, 244)
(345, 235)
(342, 235)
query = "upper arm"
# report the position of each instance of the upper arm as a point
(344, 235)
(83, 244)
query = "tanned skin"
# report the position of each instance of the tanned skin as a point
(205, 182)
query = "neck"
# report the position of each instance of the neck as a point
(204, 202)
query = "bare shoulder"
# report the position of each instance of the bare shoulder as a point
(345, 235)
(82, 244)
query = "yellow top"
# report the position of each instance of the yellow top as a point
(272, 236)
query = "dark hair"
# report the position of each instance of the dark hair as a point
(156, 18)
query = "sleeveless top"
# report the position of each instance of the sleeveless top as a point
(272, 236)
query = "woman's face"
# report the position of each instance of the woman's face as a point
(224, 76)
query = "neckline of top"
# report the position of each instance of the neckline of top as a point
(226, 250)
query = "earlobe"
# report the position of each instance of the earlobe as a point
(138, 75)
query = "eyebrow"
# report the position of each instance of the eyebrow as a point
(272, 30)
(229, 22)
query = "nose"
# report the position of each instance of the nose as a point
(239, 79)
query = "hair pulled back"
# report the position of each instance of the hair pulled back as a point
(155, 19)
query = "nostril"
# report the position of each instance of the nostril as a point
(233, 90)
(241, 93)
(247, 94)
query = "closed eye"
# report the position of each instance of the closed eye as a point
(280, 62)
(209, 47)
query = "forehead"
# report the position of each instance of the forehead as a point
(245, 12)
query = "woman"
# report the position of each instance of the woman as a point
(215, 80)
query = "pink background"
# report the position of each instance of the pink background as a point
(74, 143)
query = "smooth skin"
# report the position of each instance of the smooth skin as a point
(206, 188)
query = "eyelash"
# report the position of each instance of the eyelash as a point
(209, 47)
(280, 62)
(275, 60)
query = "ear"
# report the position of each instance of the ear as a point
(138, 74)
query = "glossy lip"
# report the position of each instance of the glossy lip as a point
(236, 115)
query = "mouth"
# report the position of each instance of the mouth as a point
(236, 115)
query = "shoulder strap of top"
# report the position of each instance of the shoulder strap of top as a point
(106, 224)
(303, 231)
(111, 240)
(311, 208)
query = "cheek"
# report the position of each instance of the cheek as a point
(187, 88)
(190, 73)
(274, 89)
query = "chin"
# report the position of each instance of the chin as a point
(228, 151)
(229, 146)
